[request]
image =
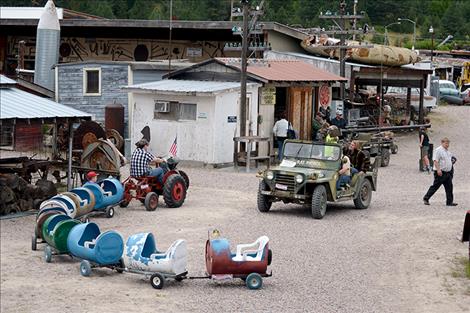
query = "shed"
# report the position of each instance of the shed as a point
(202, 116)
(287, 85)
(22, 116)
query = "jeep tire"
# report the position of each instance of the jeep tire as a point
(319, 199)
(364, 196)
(385, 157)
(263, 201)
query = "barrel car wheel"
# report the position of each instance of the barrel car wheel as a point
(157, 281)
(85, 268)
(254, 281)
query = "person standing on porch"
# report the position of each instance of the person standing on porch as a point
(280, 133)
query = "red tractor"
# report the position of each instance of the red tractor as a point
(147, 189)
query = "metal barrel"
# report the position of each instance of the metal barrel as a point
(108, 192)
(85, 241)
(48, 227)
(69, 204)
(87, 200)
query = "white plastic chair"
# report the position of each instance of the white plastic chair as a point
(243, 250)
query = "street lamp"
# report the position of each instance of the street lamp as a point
(414, 30)
(431, 31)
(381, 70)
(386, 33)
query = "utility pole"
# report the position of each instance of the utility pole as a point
(248, 29)
(245, 4)
(343, 33)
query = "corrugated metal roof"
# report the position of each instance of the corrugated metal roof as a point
(187, 86)
(6, 80)
(16, 103)
(286, 70)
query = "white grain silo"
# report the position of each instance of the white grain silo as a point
(47, 46)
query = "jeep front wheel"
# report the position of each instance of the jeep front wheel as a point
(319, 199)
(263, 201)
(362, 200)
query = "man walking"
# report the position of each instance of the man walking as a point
(443, 173)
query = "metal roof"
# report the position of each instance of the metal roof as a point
(173, 86)
(6, 81)
(18, 104)
(291, 70)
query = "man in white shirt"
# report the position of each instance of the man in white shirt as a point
(280, 133)
(443, 173)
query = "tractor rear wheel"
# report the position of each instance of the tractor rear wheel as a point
(174, 191)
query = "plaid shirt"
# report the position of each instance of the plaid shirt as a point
(140, 162)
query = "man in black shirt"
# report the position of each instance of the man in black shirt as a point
(424, 147)
(339, 121)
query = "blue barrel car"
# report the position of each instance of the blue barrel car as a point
(55, 231)
(142, 257)
(96, 249)
(108, 192)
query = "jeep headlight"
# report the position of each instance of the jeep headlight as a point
(269, 175)
(299, 178)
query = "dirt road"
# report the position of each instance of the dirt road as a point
(397, 256)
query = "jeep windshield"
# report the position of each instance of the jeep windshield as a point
(321, 152)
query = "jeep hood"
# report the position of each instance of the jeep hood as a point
(302, 170)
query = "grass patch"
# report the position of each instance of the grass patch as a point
(461, 268)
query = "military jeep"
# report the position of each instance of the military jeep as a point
(308, 173)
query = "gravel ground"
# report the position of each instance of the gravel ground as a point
(397, 256)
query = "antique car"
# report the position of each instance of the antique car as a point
(308, 174)
(95, 249)
(249, 262)
(142, 257)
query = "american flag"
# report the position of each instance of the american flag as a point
(174, 147)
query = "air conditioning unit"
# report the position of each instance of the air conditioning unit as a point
(162, 106)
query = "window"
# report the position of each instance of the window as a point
(92, 81)
(188, 111)
(6, 135)
(174, 111)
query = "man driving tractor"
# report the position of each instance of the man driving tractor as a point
(141, 160)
